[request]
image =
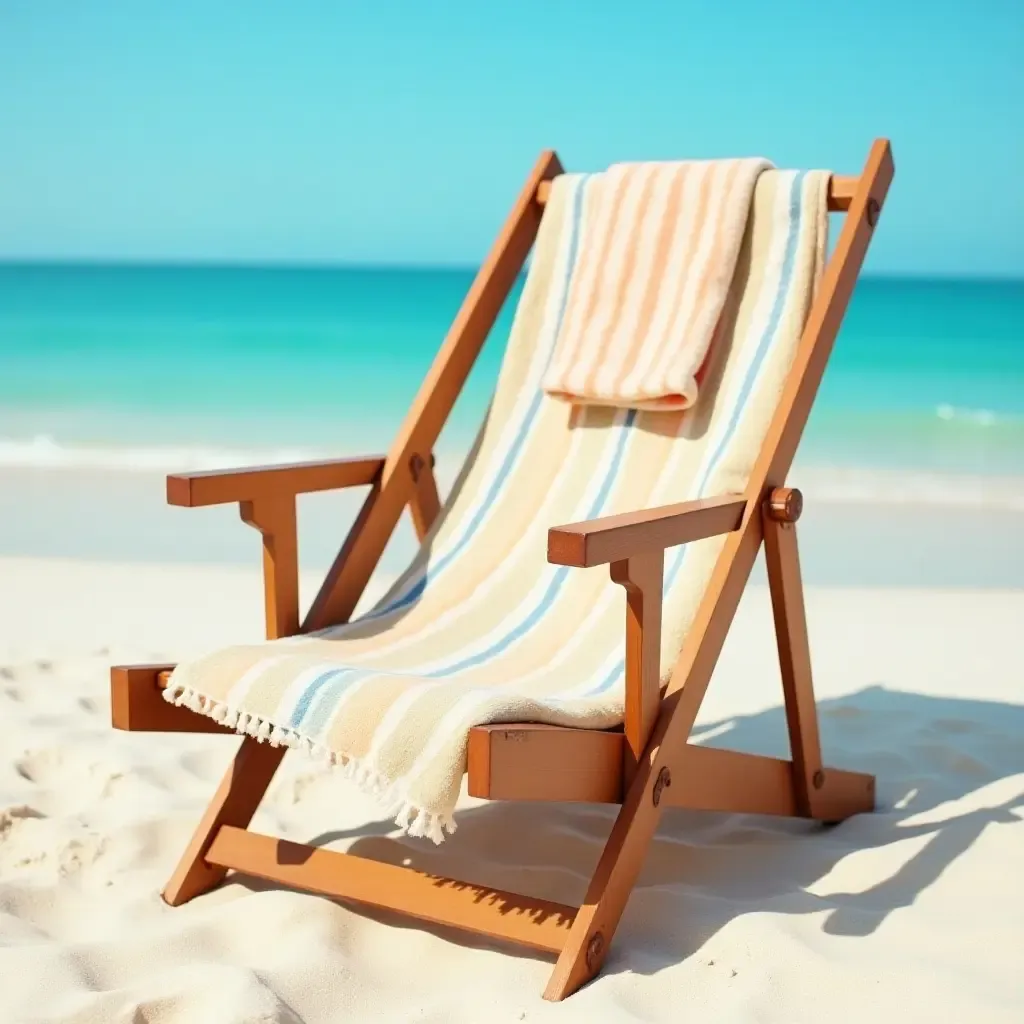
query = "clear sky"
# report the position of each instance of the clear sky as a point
(398, 131)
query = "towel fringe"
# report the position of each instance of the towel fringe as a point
(410, 818)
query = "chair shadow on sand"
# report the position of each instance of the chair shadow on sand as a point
(946, 771)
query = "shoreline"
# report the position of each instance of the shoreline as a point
(122, 517)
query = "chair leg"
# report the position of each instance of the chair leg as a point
(780, 515)
(621, 860)
(235, 802)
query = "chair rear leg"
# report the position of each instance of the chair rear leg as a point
(235, 802)
(784, 581)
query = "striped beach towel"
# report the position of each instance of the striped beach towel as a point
(480, 628)
(656, 261)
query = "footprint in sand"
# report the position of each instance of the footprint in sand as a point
(80, 853)
(951, 760)
(60, 856)
(844, 711)
(56, 767)
(207, 764)
(299, 785)
(33, 765)
(10, 816)
(954, 726)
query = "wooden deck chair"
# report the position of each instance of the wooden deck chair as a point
(632, 473)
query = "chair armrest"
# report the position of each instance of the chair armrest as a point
(223, 485)
(614, 538)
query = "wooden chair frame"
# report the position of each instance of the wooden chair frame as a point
(649, 764)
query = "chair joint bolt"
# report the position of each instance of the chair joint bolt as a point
(663, 781)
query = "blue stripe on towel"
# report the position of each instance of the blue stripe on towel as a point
(302, 705)
(558, 577)
(339, 680)
(763, 347)
(431, 572)
(513, 634)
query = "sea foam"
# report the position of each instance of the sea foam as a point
(820, 481)
(46, 452)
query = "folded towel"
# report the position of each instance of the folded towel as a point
(481, 629)
(657, 253)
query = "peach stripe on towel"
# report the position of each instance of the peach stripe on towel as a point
(658, 249)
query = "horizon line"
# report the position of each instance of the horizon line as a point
(130, 263)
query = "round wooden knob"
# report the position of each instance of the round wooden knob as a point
(785, 504)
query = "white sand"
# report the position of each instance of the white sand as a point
(913, 913)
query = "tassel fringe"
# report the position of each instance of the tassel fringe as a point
(411, 819)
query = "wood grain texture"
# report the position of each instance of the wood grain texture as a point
(137, 703)
(273, 515)
(545, 762)
(612, 538)
(824, 319)
(223, 485)
(734, 782)
(359, 555)
(642, 577)
(786, 587)
(534, 923)
(624, 853)
(234, 803)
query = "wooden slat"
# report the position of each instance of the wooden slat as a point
(218, 486)
(548, 763)
(711, 779)
(823, 322)
(360, 554)
(254, 764)
(543, 762)
(534, 923)
(137, 705)
(612, 538)
(840, 192)
(642, 577)
(274, 516)
(630, 837)
(235, 802)
(787, 594)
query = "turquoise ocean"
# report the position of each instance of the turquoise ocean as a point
(162, 368)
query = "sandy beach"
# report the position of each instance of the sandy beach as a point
(916, 911)
(719, 252)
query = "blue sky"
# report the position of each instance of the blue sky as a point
(399, 132)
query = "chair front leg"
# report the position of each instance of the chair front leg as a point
(274, 516)
(641, 576)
